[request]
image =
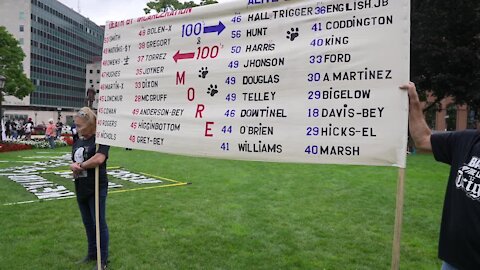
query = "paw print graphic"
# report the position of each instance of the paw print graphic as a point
(292, 34)
(203, 72)
(212, 90)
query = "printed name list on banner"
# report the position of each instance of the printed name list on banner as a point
(288, 81)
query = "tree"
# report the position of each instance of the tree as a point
(11, 57)
(207, 2)
(445, 50)
(168, 5)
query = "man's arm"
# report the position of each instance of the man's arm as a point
(418, 127)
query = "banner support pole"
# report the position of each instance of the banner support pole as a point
(97, 214)
(398, 220)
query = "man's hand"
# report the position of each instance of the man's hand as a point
(412, 91)
(419, 129)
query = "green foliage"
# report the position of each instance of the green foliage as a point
(445, 50)
(41, 143)
(11, 57)
(168, 5)
(235, 215)
(207, 2)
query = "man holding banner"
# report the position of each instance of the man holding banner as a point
(459, 245)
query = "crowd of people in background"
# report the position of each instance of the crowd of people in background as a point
(18, 129)
(21, 129)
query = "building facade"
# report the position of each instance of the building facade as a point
(92, 86)
(58, 43)
(448, 116)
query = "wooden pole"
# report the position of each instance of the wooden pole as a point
(398, 220)
(97, 215)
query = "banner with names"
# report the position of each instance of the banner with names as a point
(266, 80)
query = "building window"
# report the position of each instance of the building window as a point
(20, 40)
(91, 81)
(472, 119)
(451, 117)
(91, 71)
(22, 28)
(21, 15)
(98, 71)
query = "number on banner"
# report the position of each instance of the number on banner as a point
(236, 49)
(314, 77)
(207, 52)
(314, 94)
(189, 29)
(233, 64)
(230, 80)
(236, 19)
(236, 33)
(317, 27)
(224, 147)
(230, 113)
(227, 129)
(231, 97)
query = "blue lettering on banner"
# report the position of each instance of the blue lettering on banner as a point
(260, 2)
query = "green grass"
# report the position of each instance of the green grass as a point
(236, 215)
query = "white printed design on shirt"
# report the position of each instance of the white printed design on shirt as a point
(78, 157)
(468, 178)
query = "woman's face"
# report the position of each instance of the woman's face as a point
(82, 127)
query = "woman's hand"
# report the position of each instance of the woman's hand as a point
(75, 167)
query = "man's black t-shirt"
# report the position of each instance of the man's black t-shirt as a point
(83, 150)
(460, 229)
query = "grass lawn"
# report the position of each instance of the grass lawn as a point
(235, 215)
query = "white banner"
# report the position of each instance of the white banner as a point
(288, 81)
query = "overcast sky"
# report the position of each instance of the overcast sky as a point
(100, 11)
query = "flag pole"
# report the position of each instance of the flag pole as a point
(398, 220)
(97, 214)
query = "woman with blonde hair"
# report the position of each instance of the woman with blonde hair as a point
(85, 159)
